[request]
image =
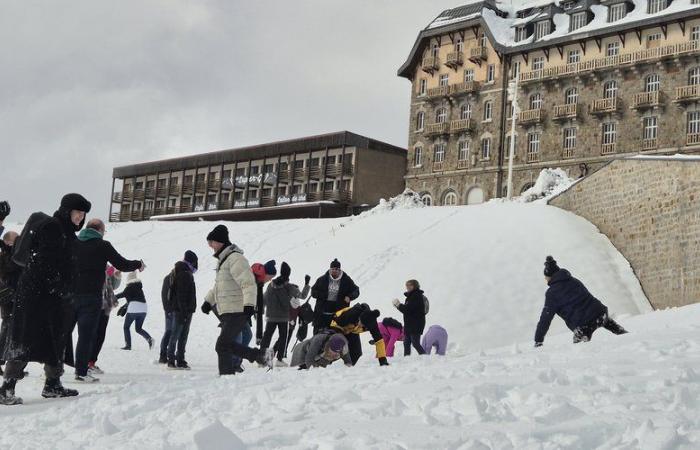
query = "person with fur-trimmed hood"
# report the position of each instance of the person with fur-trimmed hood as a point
(321, 350)
(42, 301)
(355, 320)
(233, 300)
(568, 298)
(333, 291)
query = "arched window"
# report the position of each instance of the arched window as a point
(418, 157)
(465, 112)
(610, 89)
(441, 115)
(571, 96)
(427, 199)
(420, 120)
(450, 199)
(694, 76)
(536, 101)
(652, 83)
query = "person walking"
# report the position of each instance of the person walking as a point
(568, 298)
(233, 300)
(136, 310)
(183, 305)
(113, 279)
(333, 291)
(413, 317)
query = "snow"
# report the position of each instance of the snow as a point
(676, 157)
(550, 183)
(481, 267)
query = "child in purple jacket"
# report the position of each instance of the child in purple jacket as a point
(436, 336)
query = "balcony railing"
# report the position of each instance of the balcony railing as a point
(457, 126)
(530, 116)
(438, 166)
(466, 87)
(440, 91)
(643, 100)
(477, 54)
(692, 139)
(604, 105)
(621, 60)
(568, 153)
(334, 170)
(533, 156)
(608, 149)
(687, 93)
(564, 112)
(437, 128)
(463, 164)
(430, 64)
(649, 144)
(454, 60)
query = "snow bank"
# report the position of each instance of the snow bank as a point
(550, 182)
(408, 199)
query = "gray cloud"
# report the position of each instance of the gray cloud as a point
(98, 84)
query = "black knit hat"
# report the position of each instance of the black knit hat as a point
(550, 267)
(285, 271)
(335, 264)
(191, 258)
(219, 234)
(76, 202)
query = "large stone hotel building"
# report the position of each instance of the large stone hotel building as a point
(597, 79)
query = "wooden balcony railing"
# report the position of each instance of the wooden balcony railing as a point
(649, 144)
(466, 87)
(608, 149)
(440, 91)
(430, 64)
(643, 100)
(530, 116)
(437, 128)
(477, 54)
(457, 126)
(687, 93)
(564, 112)
(454, 60)
(605, 105)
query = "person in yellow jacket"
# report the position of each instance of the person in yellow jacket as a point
(355, 320)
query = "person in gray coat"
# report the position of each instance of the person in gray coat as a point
(321, 350)
(281, 296)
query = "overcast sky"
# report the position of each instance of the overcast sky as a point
(89, 85)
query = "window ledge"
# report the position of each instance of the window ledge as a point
(487, 121)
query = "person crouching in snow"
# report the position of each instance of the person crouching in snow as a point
(321, 351)
(352, 322)
(279, 297)
(569, 299)
(413, 317)
(392, 331)
(436, 336)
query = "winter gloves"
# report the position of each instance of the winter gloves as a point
(4, 210)
(206, 308)
(396, 302)
(249, 310)
(307, 280)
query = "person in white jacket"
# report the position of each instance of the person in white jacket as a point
(233, 301)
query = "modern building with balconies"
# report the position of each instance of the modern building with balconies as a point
(329, 175)
(597, 80)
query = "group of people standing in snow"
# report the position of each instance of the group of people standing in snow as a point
(52, 281)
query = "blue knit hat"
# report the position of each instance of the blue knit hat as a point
(270, 268)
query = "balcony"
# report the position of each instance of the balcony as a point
(338, 196)
(334, 170)
(267, 201)
(477, 54)
(687, 94)
(466, 87)
(438, 92)
(188, 188)
(174, 189)
(646, 100)
(436, 129)
(608, 149)
(462, 125)
(533, 156)
(604, 106)
(438, 166)
(117, 197)
(300, 173)
(139, 193)
(213, 184)
(454, 60)
(649, 144)
(530, 116)
(692, 139)
(430, 64)
(284, 175)
(463, 164)
(565, 112)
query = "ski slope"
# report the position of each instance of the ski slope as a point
(481, 267)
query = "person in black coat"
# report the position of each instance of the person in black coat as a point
(568, 298)
(9, 277)
(4, 212)
(183, 304)
(39, 316)
(413, 311)
(333, 291)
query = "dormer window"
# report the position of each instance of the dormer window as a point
(654, 6)
(542, 29)
(568, 5)
(577, 21)
(520, 33)
(617, 12)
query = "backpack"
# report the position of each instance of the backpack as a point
(426, 305)
(23, 246)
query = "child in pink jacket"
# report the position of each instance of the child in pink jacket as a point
(392, 331)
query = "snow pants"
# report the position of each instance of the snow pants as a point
(585, 332)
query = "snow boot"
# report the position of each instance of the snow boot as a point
(94, 370)
(172, 365)
(54, 389)
(7, 393)
(126, 348)
(182, 364)
(163, 359)
(238, 369)
(265, 358)
(86, 378)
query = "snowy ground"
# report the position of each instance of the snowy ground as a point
(482, 269)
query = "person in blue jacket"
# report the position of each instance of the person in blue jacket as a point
(568, 298)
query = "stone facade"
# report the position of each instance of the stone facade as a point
(648, 209)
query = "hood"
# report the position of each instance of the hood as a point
(233, 248)
(561, 275)
(88, 234)
(415, 291)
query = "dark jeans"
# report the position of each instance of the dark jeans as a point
(290, 334)
(226, 346)
(166, 335)
(243, 338)
(412, 339)
(267, 336)
(87, 309)
(100, 339)
(180, 330)
(585, 332)
(138, 318)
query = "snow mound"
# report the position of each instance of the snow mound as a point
(550, 182)
(408, 199)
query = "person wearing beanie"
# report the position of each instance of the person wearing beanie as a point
(413, 311)
(113, 279)
(179, 295)
(568, 298)
(136, 310)
(39, 324)
(321, 350)
(233, 300)
(263, 274)
(281, 296)
(333, 291)
(355, 320)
